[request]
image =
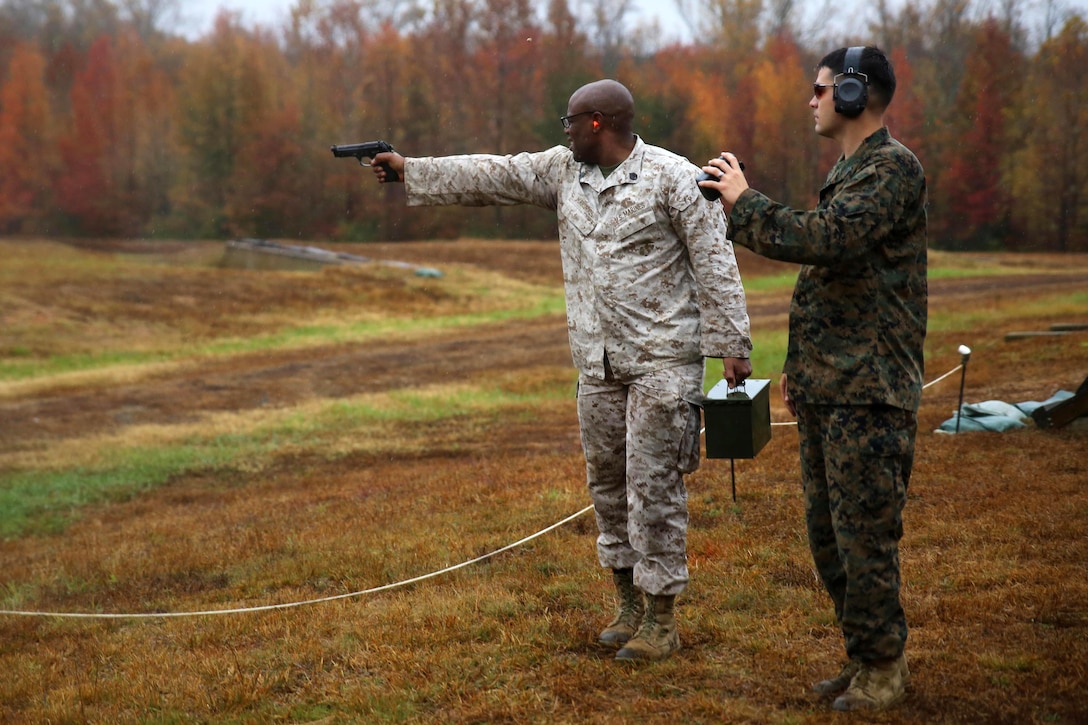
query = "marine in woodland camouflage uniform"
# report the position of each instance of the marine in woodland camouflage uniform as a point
(652, 288)
(853, 371)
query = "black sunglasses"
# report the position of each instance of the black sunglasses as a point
(818, 89)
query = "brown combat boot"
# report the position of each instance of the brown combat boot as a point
(876, 686)
(629, 608)
(657, 637)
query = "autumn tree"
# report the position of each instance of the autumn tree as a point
(606, 31)
(566, 63)
(729, 25)
(681, 103)
(26, 143)
(88, 189)
(973, 191)
(227, 92)
(149, 18)
(81, 23)
(784, 150)
(153, 133)
(503, 68)
(117, 152)
(326, 48)
(733, 36)
(906, 116)
(395, 102)
(1050, 183)
(20, 22)
(504, 86)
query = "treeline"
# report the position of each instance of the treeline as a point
(114, 124)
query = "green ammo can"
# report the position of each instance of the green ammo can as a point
(738, 420)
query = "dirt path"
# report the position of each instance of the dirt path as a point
(280, 379)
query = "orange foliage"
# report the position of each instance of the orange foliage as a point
(115, 153)
(165, 135)
(784, 144)
(26, 143)
(705, 94)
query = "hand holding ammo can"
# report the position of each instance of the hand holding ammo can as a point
(738, 420)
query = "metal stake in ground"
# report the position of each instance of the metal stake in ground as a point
(965, 355)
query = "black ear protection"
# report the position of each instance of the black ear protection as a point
(851, 86)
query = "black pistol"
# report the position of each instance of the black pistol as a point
(368, 150)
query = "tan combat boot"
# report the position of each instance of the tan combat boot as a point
(629, 608)
(841, 681)
(838, 683)
(657, 637)
(876, 686)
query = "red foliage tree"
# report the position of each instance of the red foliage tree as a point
(86, 186)
(26, 143)
(975, 196)
(228, 134)
(116, 153)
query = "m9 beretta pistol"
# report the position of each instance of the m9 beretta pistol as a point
(368, 150)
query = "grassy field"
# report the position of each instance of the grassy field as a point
(178, 439)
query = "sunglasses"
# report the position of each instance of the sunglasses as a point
(818, 89)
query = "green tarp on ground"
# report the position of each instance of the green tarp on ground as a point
(997, 416)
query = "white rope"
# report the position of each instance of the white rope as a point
(373, 590)
(934, 382)
(289, 605)
(927, 385)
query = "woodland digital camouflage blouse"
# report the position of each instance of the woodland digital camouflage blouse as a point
(858, 315)
(650, 275)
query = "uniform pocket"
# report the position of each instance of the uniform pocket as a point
(633, 222)
(690, 451)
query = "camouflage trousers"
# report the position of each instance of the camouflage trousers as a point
(855, 468)
(640, 437)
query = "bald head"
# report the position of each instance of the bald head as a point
(609, 97)
(599, 119)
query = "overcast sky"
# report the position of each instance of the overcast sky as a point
(198, 15)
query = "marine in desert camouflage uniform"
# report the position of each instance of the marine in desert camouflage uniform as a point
(853, 372)
(652, 288)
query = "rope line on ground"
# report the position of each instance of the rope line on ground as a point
(322, 600)
(290, 605)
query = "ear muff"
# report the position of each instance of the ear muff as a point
(851, 86)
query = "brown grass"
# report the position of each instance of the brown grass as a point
(994, 557)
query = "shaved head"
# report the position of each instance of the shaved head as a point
(599, 121)
(609, 97)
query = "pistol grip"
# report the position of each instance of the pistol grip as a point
(390, 175)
